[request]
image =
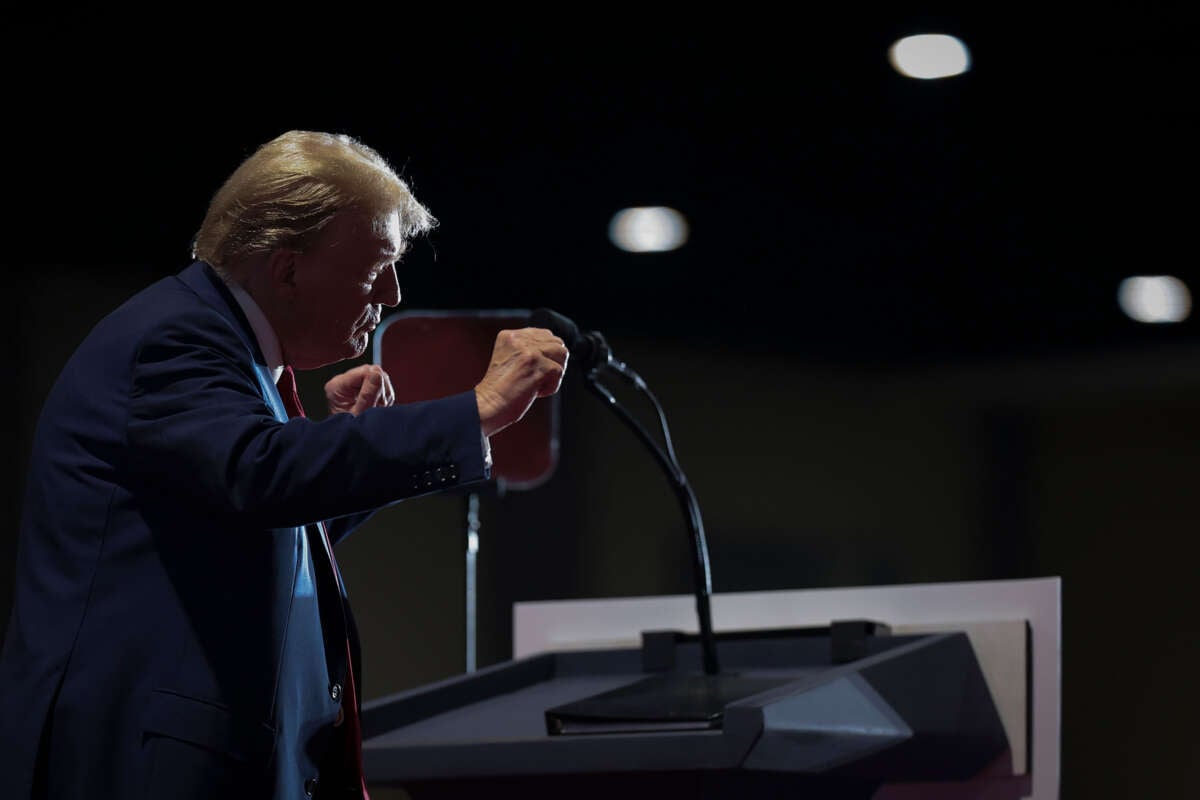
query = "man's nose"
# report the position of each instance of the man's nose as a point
(387, 288)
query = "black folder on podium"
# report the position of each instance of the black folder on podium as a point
(841, 711)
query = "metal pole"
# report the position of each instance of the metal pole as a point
(472, 556)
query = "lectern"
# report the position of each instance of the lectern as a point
(856, 708)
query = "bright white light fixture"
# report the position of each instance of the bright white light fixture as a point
(929, 55)
(1155, 298)
(648, 229)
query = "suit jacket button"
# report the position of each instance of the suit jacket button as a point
(335, 692)
(310, 787)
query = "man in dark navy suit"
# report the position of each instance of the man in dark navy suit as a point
(179, 626)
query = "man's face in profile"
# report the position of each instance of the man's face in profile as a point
(341, 283)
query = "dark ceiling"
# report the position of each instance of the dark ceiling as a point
(838, 210)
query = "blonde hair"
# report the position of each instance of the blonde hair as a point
(290, 188)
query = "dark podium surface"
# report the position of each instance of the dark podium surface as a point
(838, 711)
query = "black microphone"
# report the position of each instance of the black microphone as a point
(588, 350)
(592, 352)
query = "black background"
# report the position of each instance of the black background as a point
(837, 209)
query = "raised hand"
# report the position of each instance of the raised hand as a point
(527, 363)
(354, 391)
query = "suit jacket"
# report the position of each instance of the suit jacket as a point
(177, 627)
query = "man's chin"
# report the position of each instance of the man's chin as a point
(351, 349)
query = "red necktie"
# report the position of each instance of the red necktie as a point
(291, 402)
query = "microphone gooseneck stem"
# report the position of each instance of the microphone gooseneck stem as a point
(687, 498)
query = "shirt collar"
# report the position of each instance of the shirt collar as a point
(268, 342)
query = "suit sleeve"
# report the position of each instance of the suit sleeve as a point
(199, 429)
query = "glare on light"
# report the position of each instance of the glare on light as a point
(929, 55)
(1155, 298)
(648, 229)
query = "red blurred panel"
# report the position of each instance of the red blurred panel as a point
(431, 354)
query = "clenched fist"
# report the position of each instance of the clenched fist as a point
(527, 363)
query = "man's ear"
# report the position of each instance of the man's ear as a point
(281, 269)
